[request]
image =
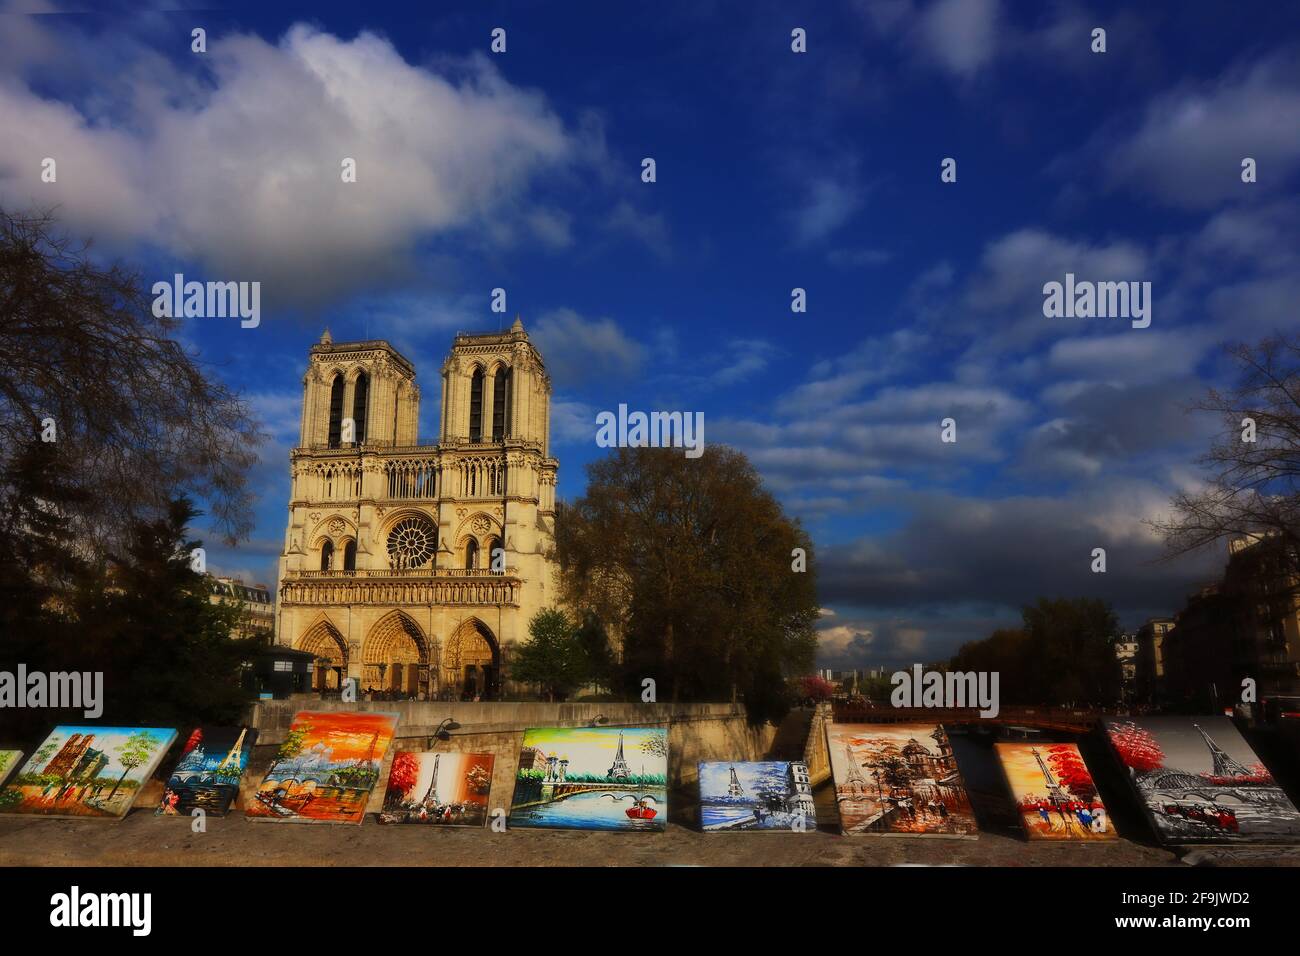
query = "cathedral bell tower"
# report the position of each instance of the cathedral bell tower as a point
(412, 568)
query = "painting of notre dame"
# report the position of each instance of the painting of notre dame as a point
(898, 779)
(87, 771)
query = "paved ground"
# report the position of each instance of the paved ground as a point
(145, 840)
(142, 839)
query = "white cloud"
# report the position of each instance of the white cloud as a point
(650, 228)
(247, 181)
(960, 34)
(748, 357)
(1187, 149)
(1135, 355)
(829, 204)
(575, 347)
(573, 422)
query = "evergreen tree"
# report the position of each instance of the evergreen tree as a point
(553, 656)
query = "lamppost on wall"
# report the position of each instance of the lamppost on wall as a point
(441, 733)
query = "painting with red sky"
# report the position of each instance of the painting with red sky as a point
(326, 767)
(1054, 792)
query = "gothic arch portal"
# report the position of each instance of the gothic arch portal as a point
(471, 662)
(325, 641)
(396, 656)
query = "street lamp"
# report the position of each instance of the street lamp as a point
(441, 732)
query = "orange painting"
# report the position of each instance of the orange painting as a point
(1054, 792)
(326, 767)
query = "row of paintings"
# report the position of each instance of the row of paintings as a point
(1197, 779)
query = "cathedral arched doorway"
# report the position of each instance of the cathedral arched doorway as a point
(396, 657)
(324, 640)
(471, 663)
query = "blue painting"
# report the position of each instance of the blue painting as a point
(208, 774)
(756, 795)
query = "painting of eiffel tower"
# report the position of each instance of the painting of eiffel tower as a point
(898, 779)
(738, 797)
(1054, 792)
(1201, 783)
(1224, 766)
(327, 766)
(207, 776)
(438, 789)
(581, 778)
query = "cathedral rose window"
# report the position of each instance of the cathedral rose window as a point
(411, 543)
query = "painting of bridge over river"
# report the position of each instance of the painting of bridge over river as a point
(1054, 792)
(87, 771)
(1200, 782)
(756, 795)
(326, 768)
(207, 776)
(441, 789)
(592, 778)
(898, 779)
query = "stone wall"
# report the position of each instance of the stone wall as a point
(815, 754)
(696, 732)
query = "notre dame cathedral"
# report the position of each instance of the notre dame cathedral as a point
(414, 567)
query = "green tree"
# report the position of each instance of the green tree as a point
(593, 638)
(149, 625)
(690, 562)
(553, 656)
(137, 749)
(293, 743)
(1062, 654)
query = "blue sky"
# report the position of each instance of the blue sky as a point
(775, 170)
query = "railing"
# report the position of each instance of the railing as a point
(477, 590)
(404, 573)
(376, 445)
(1058, 718)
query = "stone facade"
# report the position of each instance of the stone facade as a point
(415, 567)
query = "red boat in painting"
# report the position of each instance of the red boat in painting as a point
(640, 809)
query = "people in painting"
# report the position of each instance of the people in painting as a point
(1089, 817)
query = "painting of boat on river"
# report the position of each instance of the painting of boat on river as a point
(592, 778)
(326, 768)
